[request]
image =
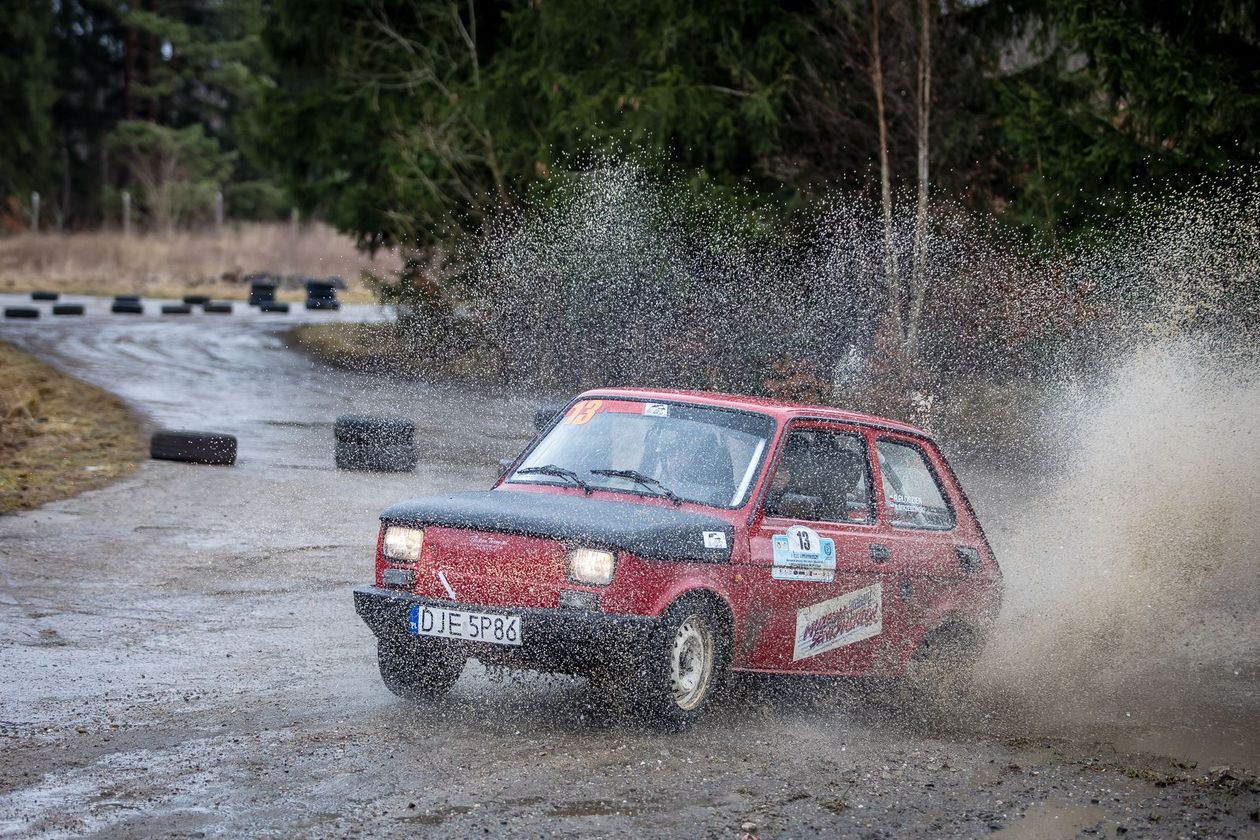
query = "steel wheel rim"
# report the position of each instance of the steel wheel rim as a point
(691, 663)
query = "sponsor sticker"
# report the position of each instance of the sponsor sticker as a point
(656, 409)
(910, 503)
(714, 539)
(801, 554)
(837, 622)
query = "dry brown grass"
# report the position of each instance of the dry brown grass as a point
(58, 436)
(182, 262)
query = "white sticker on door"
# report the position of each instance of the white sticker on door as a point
(841, 621)
(801, 554)
(714, 539)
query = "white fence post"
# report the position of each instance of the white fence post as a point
(35, 212)
(218, 211)
(126, 212)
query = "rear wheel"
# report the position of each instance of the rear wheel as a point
(415, 670)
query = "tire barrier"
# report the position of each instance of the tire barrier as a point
(21, 312)
(193, 447)
(67, 309)
(544, 415)
(375, 444)
(213, 308)
(176, 309)
(196, 300)
(321, 294)
(260, 293)
(127, 307)
(45, 296)
(126, 298)
(273, 306)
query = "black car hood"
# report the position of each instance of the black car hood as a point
(649, 531)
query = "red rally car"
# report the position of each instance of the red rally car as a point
(656, 541)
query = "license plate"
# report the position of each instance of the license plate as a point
(445, 623)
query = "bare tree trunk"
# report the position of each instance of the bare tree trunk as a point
(918, 284)
(892, 280)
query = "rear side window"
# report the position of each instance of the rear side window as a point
(914, 497)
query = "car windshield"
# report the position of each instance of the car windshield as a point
(688, 452)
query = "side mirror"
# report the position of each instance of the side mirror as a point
(505, 464)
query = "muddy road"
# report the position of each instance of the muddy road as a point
(179, 655)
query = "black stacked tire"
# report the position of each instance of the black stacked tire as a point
(544, 415)
(127, 307)
(213, 308)
(176, 309)
(21, 312)
(193, 447)
(375, 444)
(273, 306)
(196, 300)
(67, 309)
(323, 303)
(260, 293)
(45, 296)
(321, 294)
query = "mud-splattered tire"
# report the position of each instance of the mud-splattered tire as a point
(941, 669)
(375, 444)
(683, 665)
(193, 447)
(371, 458)
(415, 670)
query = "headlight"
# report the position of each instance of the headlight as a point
(403, 545)
(591, 566)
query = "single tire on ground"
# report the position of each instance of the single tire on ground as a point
(196, 300)
(323, 303)
(21, 312)
(319, 289)
(273, 306)
(45, 296)
(68, 309)
(126, 298)
(193, 447)
(260, 293)
(213, 308)
(127, 307)
(417, 669)
(544, 415)
(176, 309)
(364, 457)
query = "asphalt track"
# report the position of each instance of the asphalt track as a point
(179, 656)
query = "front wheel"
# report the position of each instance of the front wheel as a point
(414, 670)
(684, 664)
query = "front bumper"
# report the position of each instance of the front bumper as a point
(566, 640)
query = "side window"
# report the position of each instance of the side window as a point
(823, 476)
(914, 498)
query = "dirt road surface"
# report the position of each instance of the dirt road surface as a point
(179, 656)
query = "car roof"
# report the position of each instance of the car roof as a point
(781, 410)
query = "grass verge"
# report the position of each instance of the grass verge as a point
(58, 436)
(175, 263)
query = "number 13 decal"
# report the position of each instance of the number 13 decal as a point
(582, 412)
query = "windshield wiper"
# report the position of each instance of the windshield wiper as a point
(643, 479)
(558, 472)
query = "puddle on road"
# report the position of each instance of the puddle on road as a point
(1052, 821)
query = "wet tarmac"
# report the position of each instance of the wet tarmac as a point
(179, 656)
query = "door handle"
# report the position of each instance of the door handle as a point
(879, 553)
(968, 557)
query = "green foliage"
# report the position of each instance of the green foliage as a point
(27, 92)
(178, 170)
(406, 122)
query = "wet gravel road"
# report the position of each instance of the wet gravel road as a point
(179, 656)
